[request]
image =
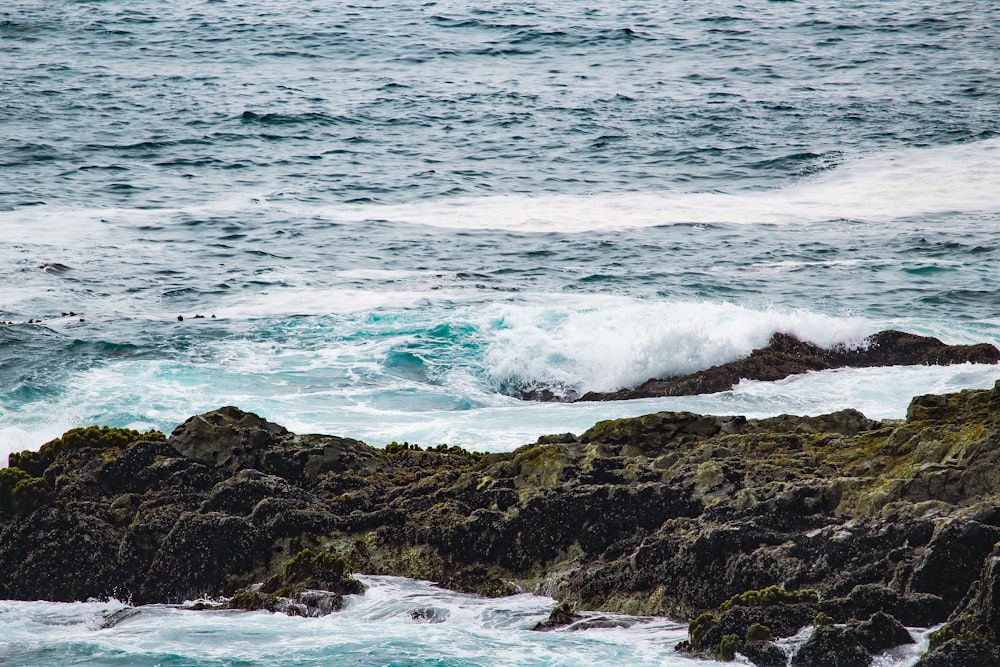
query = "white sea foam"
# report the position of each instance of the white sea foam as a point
(377, 628)
(394, 621)
(319, 301)
(576, 342)
(599, 343)
(875, 187)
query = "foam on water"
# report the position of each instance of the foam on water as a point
(397, 621)
(874, 187)
(604, 343)
(877, 187)
(443, 365)
(389, 365)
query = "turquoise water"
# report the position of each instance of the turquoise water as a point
(393, 220)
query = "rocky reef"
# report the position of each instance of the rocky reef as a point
(750, 529)
(786, 355)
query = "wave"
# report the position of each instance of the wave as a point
(607, 343)
(445, 365)
(403, 361)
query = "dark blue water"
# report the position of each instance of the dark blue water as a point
(163, 104)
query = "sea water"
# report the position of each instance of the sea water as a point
(388, 221)
(397, 622)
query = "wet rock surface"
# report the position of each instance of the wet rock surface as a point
(786, 355)
(751, 529)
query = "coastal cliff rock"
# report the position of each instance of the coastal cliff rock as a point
(752, 529)
(786, 355)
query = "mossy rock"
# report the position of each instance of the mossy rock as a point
(22, 493)
(314, 570)
(396, 448)
(759, 633)
(562, 614)
(728, 647)
(767, 597)
(102, 437)
(950, 631)
(822, 619)
(252, 600)
(699, 627)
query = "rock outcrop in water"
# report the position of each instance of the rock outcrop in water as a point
(786, 355)
(752, 529)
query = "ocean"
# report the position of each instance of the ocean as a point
(388, 221)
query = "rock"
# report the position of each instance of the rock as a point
(952, 560)
(787, 355)
(958, 653)
(59, 554)
(831, 646)
(110, 620)
(430, 614)
(851, 645)
(562, 614)
(882, 632)
(677, 514)
(310, 584)
(205, 554)
(764, 654)
(781, 620)
(913, 609)
(226, 437)
(980, 612)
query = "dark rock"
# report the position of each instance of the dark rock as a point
(953, 559)
(241, 493)
(312, 603)
(781, 620)
(205, 554)
(430, 614)
(981, 609)
(252, 599)
(59, 554)
(831, 646)
(226, 437)
(110, 620)
(851, 645)
(958, 653)
(913, 609)
(764, 654)
(882, 632)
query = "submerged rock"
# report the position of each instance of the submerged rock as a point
(562, 614)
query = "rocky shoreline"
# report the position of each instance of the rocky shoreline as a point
(750, 529)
